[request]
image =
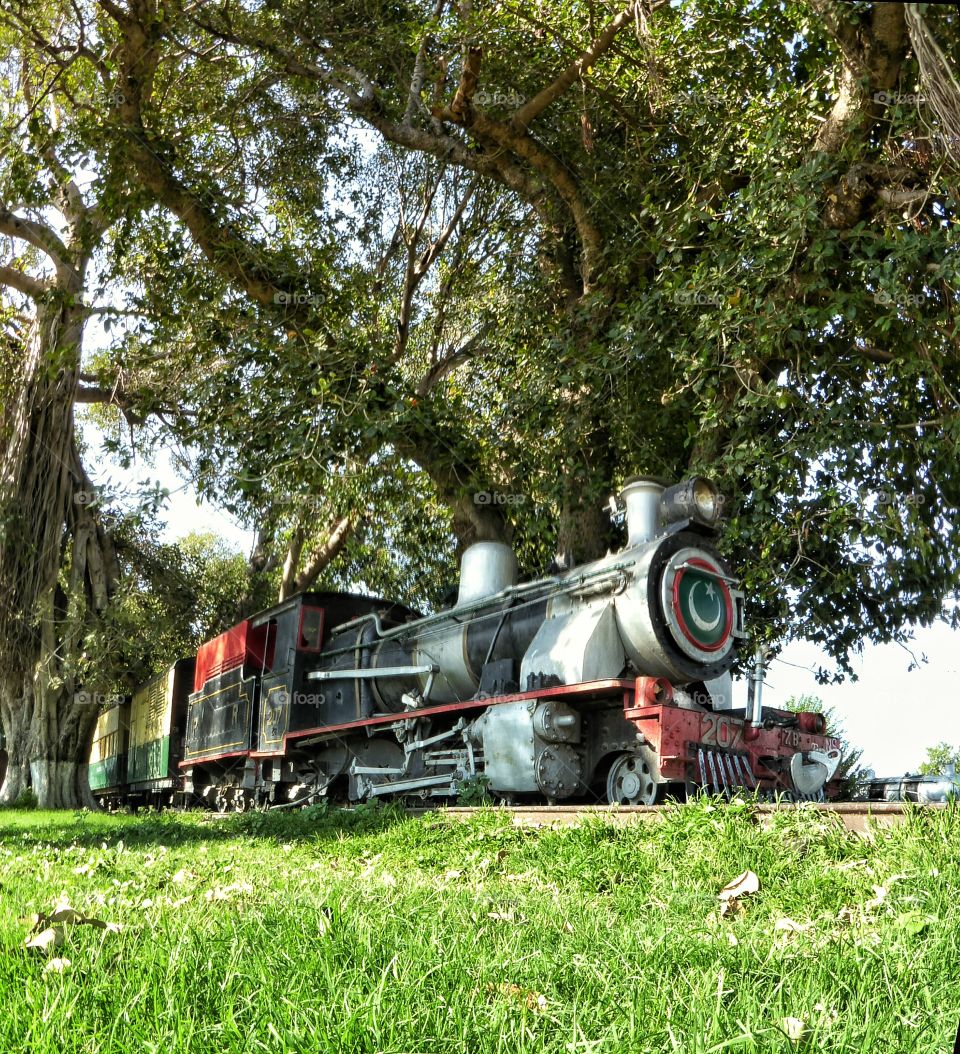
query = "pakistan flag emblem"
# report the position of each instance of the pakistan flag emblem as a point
(704, 607)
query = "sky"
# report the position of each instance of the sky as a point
(893, 713)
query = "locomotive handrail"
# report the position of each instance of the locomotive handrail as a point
(709, 571)
(567, 584)
(373, 671)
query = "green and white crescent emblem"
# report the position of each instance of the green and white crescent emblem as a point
(703, 608)
(705, 625)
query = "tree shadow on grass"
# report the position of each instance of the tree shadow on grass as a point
(183, 828)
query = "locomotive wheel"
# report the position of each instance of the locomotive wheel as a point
(632, 781)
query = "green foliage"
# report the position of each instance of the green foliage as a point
(170, 598)
(665, 274)
(474, 791)
(939, 758)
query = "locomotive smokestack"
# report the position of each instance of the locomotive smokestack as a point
(641, 499)
(486, 568)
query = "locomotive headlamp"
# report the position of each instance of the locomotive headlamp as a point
(695, 499)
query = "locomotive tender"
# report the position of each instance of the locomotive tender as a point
(605, 682)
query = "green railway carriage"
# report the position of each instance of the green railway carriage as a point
(157, 716)
(108, 754)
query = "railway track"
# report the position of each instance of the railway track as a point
(855, 816)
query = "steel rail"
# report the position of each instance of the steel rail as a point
(858, 817)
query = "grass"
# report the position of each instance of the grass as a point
(371, 931)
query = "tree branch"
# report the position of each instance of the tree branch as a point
(532, 109)
(872, 58)
(414, 102)
(327, 551)
(23, 283)
(40, 236)
(450, 362)
(231, 254)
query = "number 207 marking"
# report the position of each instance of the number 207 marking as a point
(717, 731)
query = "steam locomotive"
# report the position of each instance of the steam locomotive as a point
(607, 682)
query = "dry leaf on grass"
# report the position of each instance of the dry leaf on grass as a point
(532, 1000)
(46, 940)
(880, 895)
(789, 926)
(848, 865)
(795, 1028)
(61, 914)
(742, 886)
(46, 931)
(509, 915)
(225, 892)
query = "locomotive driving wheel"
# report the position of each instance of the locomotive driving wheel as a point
(632, 780)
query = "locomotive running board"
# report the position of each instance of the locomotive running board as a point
(584, 690)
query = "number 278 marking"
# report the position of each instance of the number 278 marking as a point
(718, 731)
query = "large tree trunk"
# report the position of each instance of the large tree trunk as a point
(48, 737)
(44, 506)
(16, 712)
(584, 530)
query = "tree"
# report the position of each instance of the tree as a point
(850, 773)
(533, 252)
(731, 245)
(58, 567)
(939, 759)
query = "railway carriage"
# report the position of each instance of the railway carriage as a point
(158, 713)
(109, 752)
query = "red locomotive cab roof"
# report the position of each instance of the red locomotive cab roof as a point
(241, 645)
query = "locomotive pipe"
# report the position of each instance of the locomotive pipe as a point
(373, 671)
(755, 691)
(479, 607)
(641, 499)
